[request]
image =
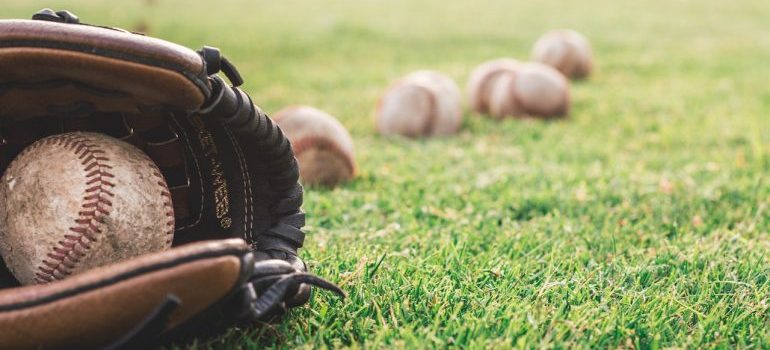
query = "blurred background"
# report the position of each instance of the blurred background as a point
(639, 221)
(289, 50)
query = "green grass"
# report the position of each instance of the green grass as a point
(640, 222)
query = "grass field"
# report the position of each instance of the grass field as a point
(642, 221)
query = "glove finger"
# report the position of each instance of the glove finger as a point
(302, 294)
(299, 289)
(299, 296)
(281, 286)
(307, 279)
(271, 297)
(272, 267)
(263, 283)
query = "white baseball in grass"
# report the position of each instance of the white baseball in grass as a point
(322, 145)
(533, 90)
(483, 77)
(566, 50)
(423, 103)
(76, 201)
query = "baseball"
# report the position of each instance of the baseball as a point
(534, 90)
(483, 77)
(566, 50)
(424, 103)
(323, 147)
(76, 201)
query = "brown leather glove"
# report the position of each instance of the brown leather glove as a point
(231, 172)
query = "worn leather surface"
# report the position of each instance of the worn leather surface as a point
(139, 47)
(103, 42)
(44, 81)
(54, 69)
(229, 168)
(101, 305)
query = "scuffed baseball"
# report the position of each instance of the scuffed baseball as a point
(566, 50)
(533, 90)
(483, 77)
(423, 103)
(322, 145)
(76, 201)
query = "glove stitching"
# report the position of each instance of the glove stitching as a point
(249, 211)
(96, 206)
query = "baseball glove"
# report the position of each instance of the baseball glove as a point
(231, 173)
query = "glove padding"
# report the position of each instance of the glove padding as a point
(100, 306)
(230, 170)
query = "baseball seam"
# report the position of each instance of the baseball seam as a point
(64, 257)
(518, 109)
(324, 143)
(428, 126)
(167, 202)
(430, 120)
(511, 103)
(564, 63)
(481, 100)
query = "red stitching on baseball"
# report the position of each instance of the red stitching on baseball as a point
(167, 203)
(96, 205)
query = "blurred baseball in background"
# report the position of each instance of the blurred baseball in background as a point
(424, 103)
(322, 145)
(566, 50)
(533, 90)
(483, 77)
